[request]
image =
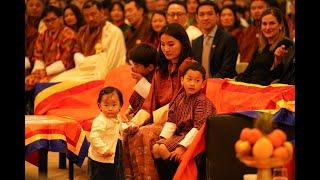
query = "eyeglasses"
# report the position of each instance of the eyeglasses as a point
(50, 20)
(180, 14)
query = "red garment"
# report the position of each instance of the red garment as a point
(88, 38)
(57, 46)
(187, 113)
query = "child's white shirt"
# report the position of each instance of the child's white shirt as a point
(103, 138)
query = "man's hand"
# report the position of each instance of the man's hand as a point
(177, 153)
(30, 82)
(107, 154)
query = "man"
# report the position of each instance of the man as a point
(100, 46)
(135, 13)
(216, 49)
(251, 34)
(177, 13)
(53, 50)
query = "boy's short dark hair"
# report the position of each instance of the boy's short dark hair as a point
(143, 54)
(109, 90)
(196, 66)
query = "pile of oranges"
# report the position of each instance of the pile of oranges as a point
(261, 146)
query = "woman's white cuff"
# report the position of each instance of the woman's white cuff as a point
(168, 130)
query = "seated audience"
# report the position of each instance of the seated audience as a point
(117, 17)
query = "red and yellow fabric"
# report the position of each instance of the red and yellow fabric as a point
(56, 134)
(78, 99)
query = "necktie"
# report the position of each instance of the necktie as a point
(205, 54)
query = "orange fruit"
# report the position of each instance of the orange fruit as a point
(242, 147)
(255, 134)
(281, 152)
(280, 134)
(263, 148)
(276, 139)
(245, 133)
(288, 145)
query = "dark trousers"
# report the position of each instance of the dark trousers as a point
(166, 168)
(103, 171)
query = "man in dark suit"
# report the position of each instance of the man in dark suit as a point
(215, 49)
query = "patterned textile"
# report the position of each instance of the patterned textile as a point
(136, 100)
(57, 46)
(137, 153)
(249, 43)
(88, 38)
(187, 113)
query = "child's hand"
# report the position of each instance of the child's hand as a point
(177, 153)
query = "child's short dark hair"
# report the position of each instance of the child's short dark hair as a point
(196, 66)
(109, 90)
(143, 54)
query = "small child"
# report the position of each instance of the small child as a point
(187, 113)
(104, 160)
(143, 60)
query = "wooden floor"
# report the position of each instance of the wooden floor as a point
(54, 173)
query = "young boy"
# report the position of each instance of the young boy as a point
(187, 113)
(104, 152)
(143, 59)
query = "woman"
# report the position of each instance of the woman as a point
(72, 17)
(191, 8)
(230, 22)
(158, 21)
(117, 17)
(265, 67)
(174, 54)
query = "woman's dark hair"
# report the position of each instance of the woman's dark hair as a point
(109, 90)
(196, 66)
(176, 31)
(116, 3)
(57, 11)
(90, 3)
(143, 54)
(234, 12)
(76, 11)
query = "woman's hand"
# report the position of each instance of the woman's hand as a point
(278, 54)
(177, 153)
